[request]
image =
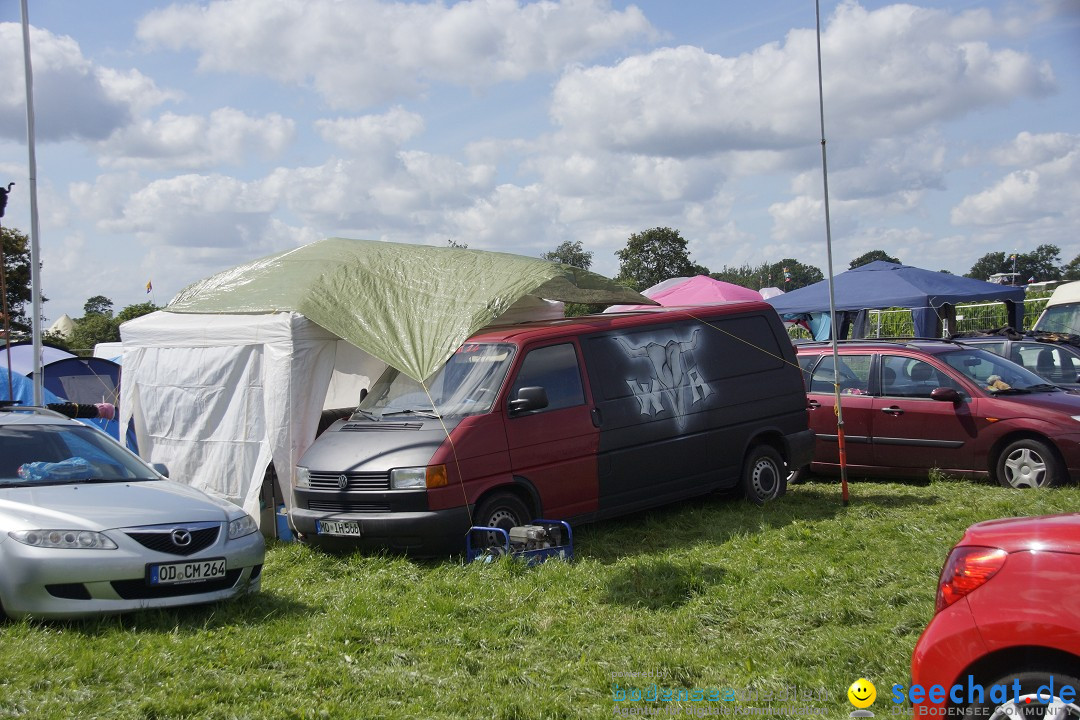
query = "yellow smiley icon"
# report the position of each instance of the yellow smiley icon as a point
(862, 693)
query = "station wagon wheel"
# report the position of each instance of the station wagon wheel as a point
(1029, 463)
(502, 510)
(764, 477)
(799, 475)
(1029, 704)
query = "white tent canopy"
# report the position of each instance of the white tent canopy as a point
(216, 398)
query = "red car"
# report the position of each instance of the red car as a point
(912, 406)
(1005, 639)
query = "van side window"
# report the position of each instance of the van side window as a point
(554, 368)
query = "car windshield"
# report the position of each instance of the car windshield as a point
(466, 385)
(994, 373)
(58, 454)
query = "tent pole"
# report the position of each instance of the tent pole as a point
(832, 298)
(35, 255)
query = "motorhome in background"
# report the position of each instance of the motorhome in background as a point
(1062, 311)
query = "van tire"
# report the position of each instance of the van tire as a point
(764, 476)
(502, 510)
(1028, 463)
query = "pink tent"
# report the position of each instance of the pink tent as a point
(697, 290)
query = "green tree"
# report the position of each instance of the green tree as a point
(18, 293)
(98, 326)
(872, 256)
(570, 253)
(133, 311)
(655, 255)
(989, 264)
(98, 305)
(1071, 272)
(787, 274)
(1042, 263)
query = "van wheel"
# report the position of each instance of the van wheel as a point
(764, 477)
(502, 510)
(1029, 463)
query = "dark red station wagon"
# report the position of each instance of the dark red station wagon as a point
(912, 406)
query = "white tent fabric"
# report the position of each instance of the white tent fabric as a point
(216, 398)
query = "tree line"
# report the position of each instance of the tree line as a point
(649, 257)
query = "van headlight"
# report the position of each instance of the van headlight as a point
(63, 539)
(242, 526)
(418, 478)
(303, 477)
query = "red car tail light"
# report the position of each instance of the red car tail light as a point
(967, 567)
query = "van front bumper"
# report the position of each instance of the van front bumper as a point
(429, 533)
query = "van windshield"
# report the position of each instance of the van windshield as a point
(1061, 318)
(466, 385)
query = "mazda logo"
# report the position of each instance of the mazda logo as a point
(342, 481)
(181, 537)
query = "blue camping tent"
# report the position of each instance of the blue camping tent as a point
(931, 296)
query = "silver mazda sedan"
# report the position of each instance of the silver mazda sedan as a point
(86, 527)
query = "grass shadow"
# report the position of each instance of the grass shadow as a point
(658, 584)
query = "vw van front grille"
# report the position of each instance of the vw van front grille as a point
(353, 481)
(346, 507)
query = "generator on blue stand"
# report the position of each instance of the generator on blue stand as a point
(535, 543)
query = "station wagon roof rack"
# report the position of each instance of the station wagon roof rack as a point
(907, 341)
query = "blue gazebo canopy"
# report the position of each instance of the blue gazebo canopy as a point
(930, 295)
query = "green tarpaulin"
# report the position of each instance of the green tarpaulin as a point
(411, 306)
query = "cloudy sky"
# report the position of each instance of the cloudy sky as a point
(175, 140)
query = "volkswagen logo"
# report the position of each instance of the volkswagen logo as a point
(342, 481)
(181, 537)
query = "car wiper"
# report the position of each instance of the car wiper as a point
(368, 414)
(411, 411)
(1042, 387)
(1010, 391)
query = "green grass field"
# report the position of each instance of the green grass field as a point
(714, 595)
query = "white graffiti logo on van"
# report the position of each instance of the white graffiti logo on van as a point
(675, 376)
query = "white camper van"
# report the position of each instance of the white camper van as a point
(1062, 311)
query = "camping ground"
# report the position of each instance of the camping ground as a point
(801, 596)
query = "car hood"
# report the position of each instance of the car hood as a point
(106, 505)
(1049, 533)
(1063, 402)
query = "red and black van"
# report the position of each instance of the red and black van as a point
(578, 419)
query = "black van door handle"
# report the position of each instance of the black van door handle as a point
(597, 419)
(812, 404)
(893, 410)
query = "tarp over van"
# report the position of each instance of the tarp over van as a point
(931, 295)
(411, 306)
(236, 371)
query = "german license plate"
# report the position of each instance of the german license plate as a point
(337, 527)
(186, 572)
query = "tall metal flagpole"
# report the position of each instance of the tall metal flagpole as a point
(35, 263)
(832, 299)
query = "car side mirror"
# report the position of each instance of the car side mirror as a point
(161, 468)
(946, 394)
(529, 398)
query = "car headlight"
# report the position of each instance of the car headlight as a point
(303, 477)
(418, 478)
(64, 539)
(241, 526)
